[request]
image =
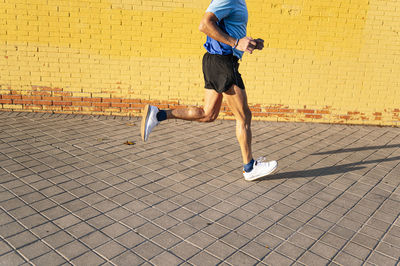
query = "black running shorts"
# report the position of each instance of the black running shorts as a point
(221, 72)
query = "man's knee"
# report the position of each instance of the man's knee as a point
(209, 117)
(245, 118)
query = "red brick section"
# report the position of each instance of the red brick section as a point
(45, 99)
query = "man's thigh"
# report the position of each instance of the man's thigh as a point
(237, 102)
(212, 103)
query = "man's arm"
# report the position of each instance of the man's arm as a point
(208, 25)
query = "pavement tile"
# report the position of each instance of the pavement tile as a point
(275, 258)
(45, 229)
(201, 240)
(80, 229)
(118, 214)
(255, 250)
(203, 258)
(110, 249)
(58, 239)
(147, 250)
(248, 231)
(310, 258)
(320, 223)
(280, 231)
(12, 258)
(346, 258)
(166, 258)
(216, 230)
(94, 239)
(289, 250)
(220, 250)
(166, 240)
(88, 258)
(372, 232)
(379, 258)
(324, 250)
(229, 222)
(149, 230)
(235, 240)
(114, 230)
(357, 250)
(36, 249)
(151, 213)
(130, 239)
(21, 239)
(12, 203)
(333, 240)
(389, 250)
(4, 247)
(365, 240)
(33, 220)
(11, 228)
(100, 221)
(128, 258)
(73, 249)
(166, 222)
(185, 250)
(66, 221)
(350, 224)
(301, 240)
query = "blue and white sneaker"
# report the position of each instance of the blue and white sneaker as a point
(149, 121)
(261, 168)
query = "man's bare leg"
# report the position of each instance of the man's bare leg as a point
(237, 101)
(152, 115)
(212, 106)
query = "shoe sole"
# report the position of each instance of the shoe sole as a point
(258, 177)
(145, 116)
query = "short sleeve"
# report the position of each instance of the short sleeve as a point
(221, 8)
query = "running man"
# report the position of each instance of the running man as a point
(224, 23)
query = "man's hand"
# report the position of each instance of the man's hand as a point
(248, 44)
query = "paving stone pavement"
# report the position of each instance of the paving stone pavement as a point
(71, 192)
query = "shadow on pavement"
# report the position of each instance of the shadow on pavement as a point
(336, 169)
(358, 149)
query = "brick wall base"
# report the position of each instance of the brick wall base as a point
(55, 100)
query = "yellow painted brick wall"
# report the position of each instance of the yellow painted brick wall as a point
(324, 61)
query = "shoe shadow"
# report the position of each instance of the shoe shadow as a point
(323, 171)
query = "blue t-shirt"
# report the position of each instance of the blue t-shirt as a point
(232, 16)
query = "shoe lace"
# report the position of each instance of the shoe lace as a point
(260, 160)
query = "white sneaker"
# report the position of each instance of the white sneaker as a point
(260, 169)
(149, 121)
